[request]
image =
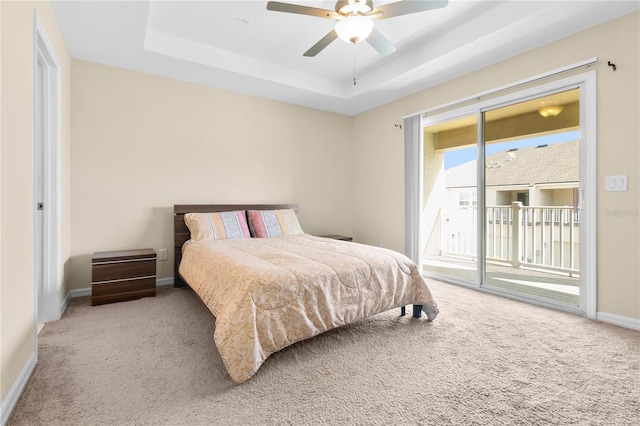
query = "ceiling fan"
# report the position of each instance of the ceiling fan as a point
(355, 20)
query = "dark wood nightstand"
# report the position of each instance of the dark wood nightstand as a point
(122, 275)
(338, 237)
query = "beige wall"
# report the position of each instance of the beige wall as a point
(143, 143)
(16, 171)
(378, 167)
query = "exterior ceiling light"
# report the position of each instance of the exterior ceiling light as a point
(550, 110)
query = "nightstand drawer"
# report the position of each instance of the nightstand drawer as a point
(117, 270)
(118, 291)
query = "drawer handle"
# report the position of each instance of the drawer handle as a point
(110, 262)
(124, 279)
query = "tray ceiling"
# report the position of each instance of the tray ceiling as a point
(242, 47)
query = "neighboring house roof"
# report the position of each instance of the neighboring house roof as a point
(554, 163)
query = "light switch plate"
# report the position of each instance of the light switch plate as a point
(616, 183)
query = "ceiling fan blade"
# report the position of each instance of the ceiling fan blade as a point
(406, 7)
(302, 10)
(380, 43)
(324, 42)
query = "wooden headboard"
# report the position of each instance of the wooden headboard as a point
(181, 232)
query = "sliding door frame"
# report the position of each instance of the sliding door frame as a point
(586, 83)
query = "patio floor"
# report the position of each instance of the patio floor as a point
(528, 282)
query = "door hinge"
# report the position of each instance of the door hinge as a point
(40, 206)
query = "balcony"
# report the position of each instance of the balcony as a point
(534, 250)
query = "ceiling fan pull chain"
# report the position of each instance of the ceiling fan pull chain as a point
(354, 64)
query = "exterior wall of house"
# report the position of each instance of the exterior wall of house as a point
(379, 177)
(434, 191)
(459, 225)
(556, 197)
(16, 171)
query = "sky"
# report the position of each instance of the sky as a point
(457, 157)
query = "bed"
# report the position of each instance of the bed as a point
(269, 284)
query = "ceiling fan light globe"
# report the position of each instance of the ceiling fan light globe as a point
(354, 29)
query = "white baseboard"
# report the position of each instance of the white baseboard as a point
(72, 295)
(17, 388)
(626, 322)
(160, 282)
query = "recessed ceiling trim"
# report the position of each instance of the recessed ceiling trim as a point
(179, 48)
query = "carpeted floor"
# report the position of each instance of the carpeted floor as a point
(484, 361)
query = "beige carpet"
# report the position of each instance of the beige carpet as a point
(484, 361)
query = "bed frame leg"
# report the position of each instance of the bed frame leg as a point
(417, 311)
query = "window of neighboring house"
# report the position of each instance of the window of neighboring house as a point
(468, 198)
(523, 197)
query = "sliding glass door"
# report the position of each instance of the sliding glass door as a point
(501, 186)
(531, 183)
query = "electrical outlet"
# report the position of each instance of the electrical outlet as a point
(380, 243)
(162, 254)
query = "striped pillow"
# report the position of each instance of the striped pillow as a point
(217, 226)
(273, 223)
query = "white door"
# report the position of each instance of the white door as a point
(47, 141)
(39, 177)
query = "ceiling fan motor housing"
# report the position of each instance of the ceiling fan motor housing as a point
(342, 4)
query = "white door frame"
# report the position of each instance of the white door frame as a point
(586, 82)
(47, 131)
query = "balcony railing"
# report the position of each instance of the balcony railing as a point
(542, 237)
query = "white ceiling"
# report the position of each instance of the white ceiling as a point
(242, 47)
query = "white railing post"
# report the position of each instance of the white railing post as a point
(515, 234)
